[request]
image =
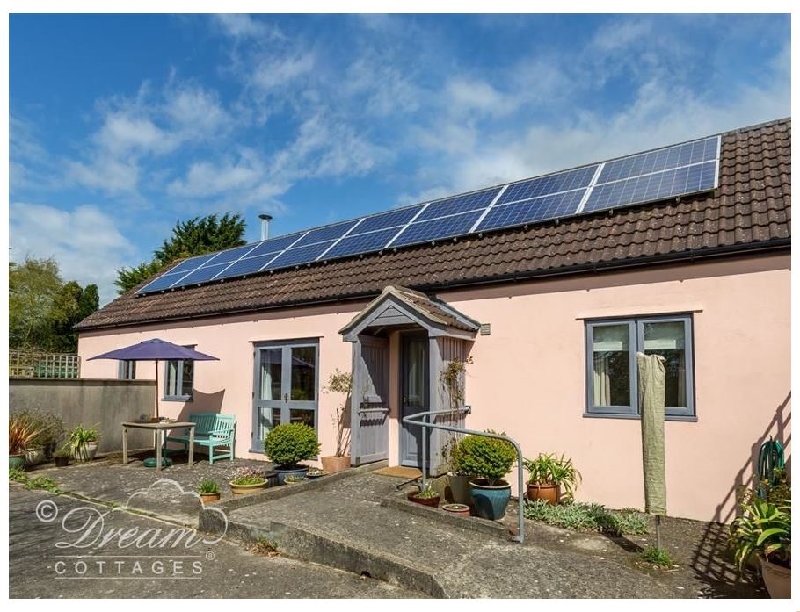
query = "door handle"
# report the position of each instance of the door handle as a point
(286, 397)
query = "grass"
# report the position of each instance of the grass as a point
(588, 517)
(264, 547)
(657, 556)
(40, 482)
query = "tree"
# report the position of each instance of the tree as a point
(43, 309)
(193, 237)
(32, 289)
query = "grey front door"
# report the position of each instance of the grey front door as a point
(414, 387)
(285, 389)
(370, 417)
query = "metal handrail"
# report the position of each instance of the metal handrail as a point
(411, 420)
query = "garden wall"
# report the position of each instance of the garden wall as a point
(106, 403)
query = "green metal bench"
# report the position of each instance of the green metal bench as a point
(211, 431)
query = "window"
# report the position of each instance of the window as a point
(178, 378)
(127, 370)
(611, 379)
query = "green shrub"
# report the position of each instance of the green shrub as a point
(489, 458)
(657, 556)
(207, 487)
(289, 443)
(587, 517)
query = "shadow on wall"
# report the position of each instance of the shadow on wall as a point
(209, 403)
(712, 560)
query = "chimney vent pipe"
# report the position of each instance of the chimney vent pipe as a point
(265, 219)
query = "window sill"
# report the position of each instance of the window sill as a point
(177, 398)
(637, 417)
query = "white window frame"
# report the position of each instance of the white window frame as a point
(179, 382)
(636, 343)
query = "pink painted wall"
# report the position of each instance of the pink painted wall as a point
(528, 375)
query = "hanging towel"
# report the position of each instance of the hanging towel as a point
(651, 403)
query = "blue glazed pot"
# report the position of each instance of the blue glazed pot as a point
(490, 501)
(294, 471)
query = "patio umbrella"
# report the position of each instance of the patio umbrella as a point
(155, 350)
(651, 401)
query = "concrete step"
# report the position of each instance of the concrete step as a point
(345, 525)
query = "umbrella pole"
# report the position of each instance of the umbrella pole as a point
(156, 388)
(658, 531)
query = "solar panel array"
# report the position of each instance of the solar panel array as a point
(682, 169)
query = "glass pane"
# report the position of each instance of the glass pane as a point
(276, 417)
(414, 393)
(668, 339)
(611, 366)
(303, 416)
(188, 377)
(171, 379)
(270, 386)
(304, 373)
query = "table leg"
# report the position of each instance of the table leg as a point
(124, 445)
(191, 446)
(158, 450)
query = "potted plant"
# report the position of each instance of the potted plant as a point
(22, 433)
(61, 457)
(425, 497)
(547, 474)
(247, 480)
(457, 478)
(287, 445)
(764, 531)
(83, 442)
(293, 479)
(339, 382)
(489, 459)
(50, 429)
(457, 509)
(208, 490)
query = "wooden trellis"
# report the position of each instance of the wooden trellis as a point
(29, 364)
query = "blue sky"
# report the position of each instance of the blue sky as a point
(122, 125)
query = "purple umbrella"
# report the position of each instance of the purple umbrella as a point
(155, 350)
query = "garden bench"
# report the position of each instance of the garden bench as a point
(211, 431)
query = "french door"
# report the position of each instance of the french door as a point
(285, 387)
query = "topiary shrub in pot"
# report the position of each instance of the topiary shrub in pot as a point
(287, 445)
(489, 459)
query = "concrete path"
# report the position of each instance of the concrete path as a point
(359, 522)
(39, 569)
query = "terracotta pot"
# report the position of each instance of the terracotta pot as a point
(549, 493)
(433, 502)
(456, 509)
(245, 489)
(209, 497)
(777, 579)
(331, 465)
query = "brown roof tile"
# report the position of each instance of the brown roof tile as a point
(750, 209)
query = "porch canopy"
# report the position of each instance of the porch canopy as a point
(449, 335)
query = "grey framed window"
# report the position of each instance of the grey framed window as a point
(179, 379)
(611, 377)
(127, 370)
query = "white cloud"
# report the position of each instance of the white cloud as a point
(238, 25)
(104, 173)
(271, 73)
(465, 95)
(122, 133)
(195, 113)
(85, 242)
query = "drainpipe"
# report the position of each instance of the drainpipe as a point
(265, 219)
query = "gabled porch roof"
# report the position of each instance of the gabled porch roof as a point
(398, 305)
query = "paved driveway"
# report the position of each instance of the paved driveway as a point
(110, 554)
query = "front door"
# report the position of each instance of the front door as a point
(285, 387)
(414, 387)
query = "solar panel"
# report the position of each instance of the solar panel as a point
(361, 243)
(459, 204)
(532, 210)
(394, 218)
(329, 232)
(681, 169)
(438, 229)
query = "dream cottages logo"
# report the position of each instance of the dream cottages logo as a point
(95, 548)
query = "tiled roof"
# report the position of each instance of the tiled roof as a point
(749, 210)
